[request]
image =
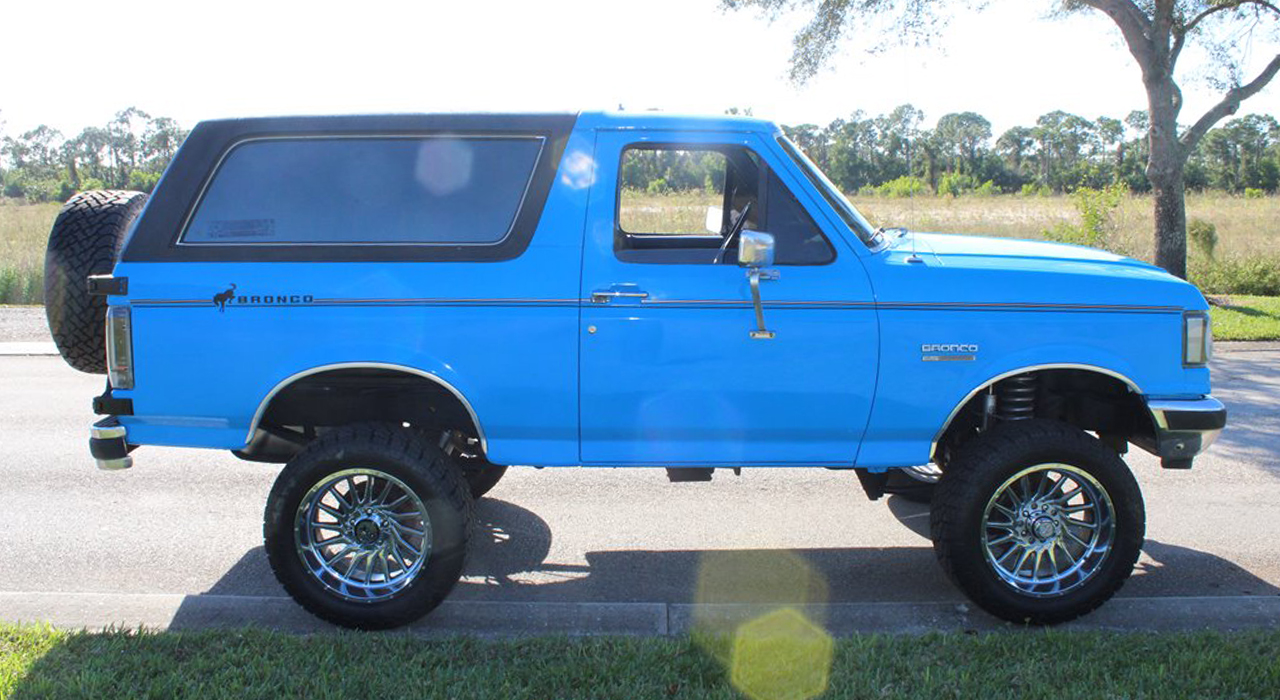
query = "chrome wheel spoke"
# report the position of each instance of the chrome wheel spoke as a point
(366, 553)
(1033, 521)
(1064, 498)
(405, 528)
(1011, 515)
(340, 554)
(1063, 545)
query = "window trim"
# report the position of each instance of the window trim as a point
(767, 169)
(182, 241)
(654, 237)
(823, 184)
(154, 237)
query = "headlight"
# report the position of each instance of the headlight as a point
(119, 347)
(1197, 339)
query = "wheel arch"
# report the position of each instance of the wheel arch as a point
(293, 380)
(969, 397)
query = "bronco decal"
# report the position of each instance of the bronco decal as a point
(229, 296)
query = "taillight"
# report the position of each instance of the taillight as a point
(120, 347)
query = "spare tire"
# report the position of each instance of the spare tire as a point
(85, 240)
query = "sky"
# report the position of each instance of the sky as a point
(72, 64)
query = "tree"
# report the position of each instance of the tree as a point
(962, 137)
(1155, 32)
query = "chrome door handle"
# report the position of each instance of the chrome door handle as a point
(603, 297)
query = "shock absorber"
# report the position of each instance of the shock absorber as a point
(1016, 397)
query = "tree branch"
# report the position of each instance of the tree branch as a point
(1134, 25)
(1228, 106)
(1180, 33)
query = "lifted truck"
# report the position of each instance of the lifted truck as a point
(395, 307)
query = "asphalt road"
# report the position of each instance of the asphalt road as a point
(177, 539)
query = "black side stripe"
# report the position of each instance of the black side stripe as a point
(683, 303)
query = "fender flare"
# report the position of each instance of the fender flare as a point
(430, 376)
(937, 437)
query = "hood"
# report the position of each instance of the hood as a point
(947, 246)
(983, 269)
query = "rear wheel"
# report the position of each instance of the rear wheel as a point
(367, 526)
(1037, 522)
(85, 240)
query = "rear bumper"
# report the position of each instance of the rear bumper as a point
(1184, 428)
(109, 445)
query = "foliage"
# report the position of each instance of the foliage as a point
(1257, 275)
(1060, 153)
(129, 152)
(1097, 209)
(955, 184)
(900, 187)
(1204, 235)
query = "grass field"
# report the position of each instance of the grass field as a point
(38, 662)
(24, 230)
(1246, 227)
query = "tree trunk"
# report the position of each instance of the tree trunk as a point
(1171, 225)
(1164, 172)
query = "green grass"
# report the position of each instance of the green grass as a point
(39, 662)
(24, 230)
(1246, 318)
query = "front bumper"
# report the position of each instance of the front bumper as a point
(109, 446)
(1183, 429)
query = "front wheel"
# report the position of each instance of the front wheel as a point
(1037, 522)
(367, 526)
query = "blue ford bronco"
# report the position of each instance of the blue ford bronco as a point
(398, 307)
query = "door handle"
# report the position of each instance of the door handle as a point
(603, 296)
(754, 275)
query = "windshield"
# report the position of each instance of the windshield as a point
(851, 217)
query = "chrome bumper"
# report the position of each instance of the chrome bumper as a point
(108, 445)
(1183, 429)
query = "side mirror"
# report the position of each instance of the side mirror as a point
(755, 249)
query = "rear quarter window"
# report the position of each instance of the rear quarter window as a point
(439, 190)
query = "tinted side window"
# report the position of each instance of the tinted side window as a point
(437, 190)
(669, 191)
(676, 205)
(797, 239)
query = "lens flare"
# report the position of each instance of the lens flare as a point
(756, 613)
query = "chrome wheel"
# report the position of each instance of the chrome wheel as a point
(1048, 529)
(363, 534)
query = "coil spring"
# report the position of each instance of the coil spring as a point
(1016, 397)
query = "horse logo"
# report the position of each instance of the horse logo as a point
(221, 298)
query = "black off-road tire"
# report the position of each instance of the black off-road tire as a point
(409, 457)
(85, 240)
(973, 477)
(481, 476)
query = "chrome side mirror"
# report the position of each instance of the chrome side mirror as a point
(755, 249)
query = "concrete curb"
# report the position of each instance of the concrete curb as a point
(165, 611)
(1230, 346)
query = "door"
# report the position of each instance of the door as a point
(671, 372)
